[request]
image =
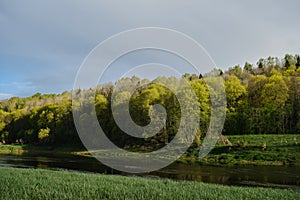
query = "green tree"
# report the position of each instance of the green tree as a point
(44, 135)
(235, 92)
(275, 92)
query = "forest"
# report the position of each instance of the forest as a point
(262, 98)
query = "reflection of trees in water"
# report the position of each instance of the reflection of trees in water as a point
(42, 166)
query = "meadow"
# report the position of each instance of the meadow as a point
(37, 184)
(252, 150)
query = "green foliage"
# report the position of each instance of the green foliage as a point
(275, 92)
(44, 135)
(259, 150)
(262, 99)
(45, 184)
(235, 93)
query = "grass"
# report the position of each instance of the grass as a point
(11, 148)
(45, 184)
(252, 149)
(28, 148)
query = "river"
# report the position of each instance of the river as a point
(267, 176)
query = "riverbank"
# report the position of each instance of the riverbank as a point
(46, 184)
(276, 150)
(29, 148)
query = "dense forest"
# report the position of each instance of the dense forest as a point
(263, 98)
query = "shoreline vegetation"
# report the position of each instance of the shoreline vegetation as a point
(47, 184)
(276, 150)
(260, 99)
(262, 127)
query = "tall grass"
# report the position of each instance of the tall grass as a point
(46, 184)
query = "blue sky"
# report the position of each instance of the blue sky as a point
(43, 43)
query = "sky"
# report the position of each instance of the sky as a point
(43, 43)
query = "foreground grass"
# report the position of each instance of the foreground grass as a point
(46, 184)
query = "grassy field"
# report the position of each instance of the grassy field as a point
(245, 150)
(252, 149)
(46, 184)
(28, 148)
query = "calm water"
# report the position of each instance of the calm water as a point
(282, 177)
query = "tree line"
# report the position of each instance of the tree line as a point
(261, 99)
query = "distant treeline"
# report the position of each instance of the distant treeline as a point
(261, 99)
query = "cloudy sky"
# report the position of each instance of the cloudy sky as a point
(43, 43)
